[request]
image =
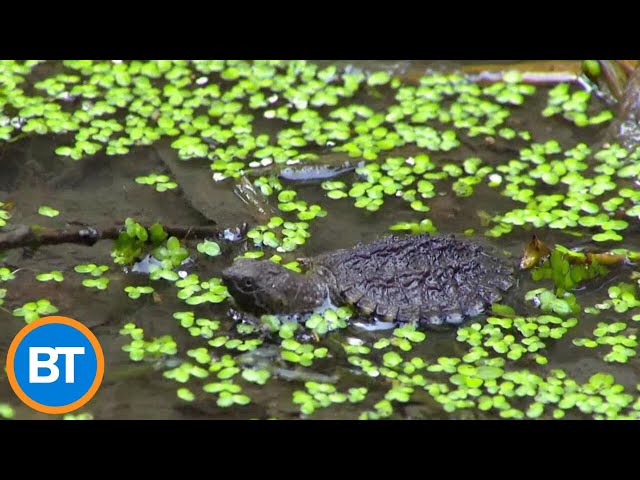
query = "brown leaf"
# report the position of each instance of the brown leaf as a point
(534, 253)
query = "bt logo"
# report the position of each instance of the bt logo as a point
(55, 365)
(50, 363)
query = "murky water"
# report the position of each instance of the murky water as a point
(100, 192)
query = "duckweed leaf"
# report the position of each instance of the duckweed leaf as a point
(209, 248)
(47, 211)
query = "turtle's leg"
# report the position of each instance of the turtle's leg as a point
(240, 316)
(386, 312)
(454, 311)
(408, 313)
(431, 317)
(366, 306)
(352, 295)
(435, 319)
(501, 282)
(454, 317)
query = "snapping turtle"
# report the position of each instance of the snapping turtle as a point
(431, 279)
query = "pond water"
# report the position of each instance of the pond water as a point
(359, 371)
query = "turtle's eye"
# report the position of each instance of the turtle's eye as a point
(247, 282)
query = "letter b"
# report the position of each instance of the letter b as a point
(50, 364)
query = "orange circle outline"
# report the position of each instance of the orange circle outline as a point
(99, 364)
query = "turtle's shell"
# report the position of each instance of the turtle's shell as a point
(434, 279)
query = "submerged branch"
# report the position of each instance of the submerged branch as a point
(537, 73)
(534, 78)
(34, 236)
(628, 65)
(625, 129)
(540, 72)
(614, 77)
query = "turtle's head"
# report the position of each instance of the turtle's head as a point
(263, 286)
